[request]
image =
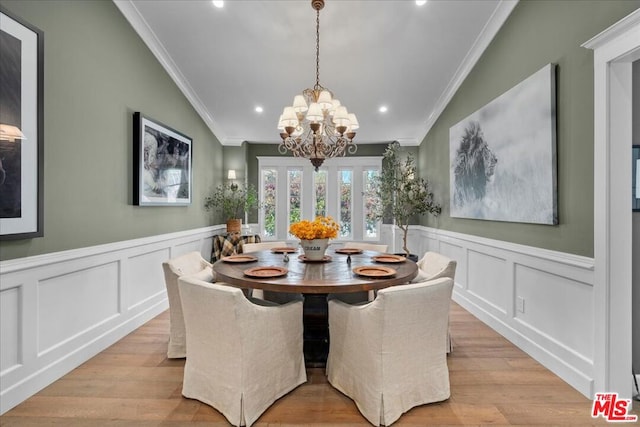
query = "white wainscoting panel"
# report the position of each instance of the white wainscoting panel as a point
(545, 295)
(190, 246)
(94, 300)
(557, 325)
(454, 251)
(144, 273)
(10, 321)
(487, 280)
(60, 309)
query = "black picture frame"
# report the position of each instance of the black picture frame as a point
(162, 162)
(635, 181)
(21, 106)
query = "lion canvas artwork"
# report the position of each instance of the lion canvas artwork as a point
(503, 156)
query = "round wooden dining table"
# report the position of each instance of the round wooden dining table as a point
(338, 273)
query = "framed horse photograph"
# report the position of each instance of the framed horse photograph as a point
(635, 182)
(21, 128)
(162, 159)
(503, 156)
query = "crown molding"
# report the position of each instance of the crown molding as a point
(498, 18)
(232, 142)
(409, 142)
(139, 24)
(620, 27)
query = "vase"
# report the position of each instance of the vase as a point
(314, 249)
(234, 225)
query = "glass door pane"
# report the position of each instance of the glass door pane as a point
(345, 187)
(320, 190)
(270, 182)
(371, 224)
(295, 196)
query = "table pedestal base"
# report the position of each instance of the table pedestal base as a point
(316, 330)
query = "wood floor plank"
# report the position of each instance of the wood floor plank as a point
(499, 377)
(132, 383)
(102, 408)
(549, 413)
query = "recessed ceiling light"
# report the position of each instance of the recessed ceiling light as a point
(259, 109)
(421, 2)
(383, 109)
(218, 3)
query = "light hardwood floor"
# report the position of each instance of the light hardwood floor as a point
(132, 383)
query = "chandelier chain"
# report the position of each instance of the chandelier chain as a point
(317, 48)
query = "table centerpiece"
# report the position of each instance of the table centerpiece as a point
(314, 235)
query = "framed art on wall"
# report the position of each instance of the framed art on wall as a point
(162, 159)
(21, 128)
(635, 183)
(503, 156)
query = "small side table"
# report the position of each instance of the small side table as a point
(231, 243)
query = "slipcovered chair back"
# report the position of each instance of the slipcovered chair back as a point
(390, 355)
(435, 266)
(253, 247)
(366, 246)
(187, 264)
(241, 357)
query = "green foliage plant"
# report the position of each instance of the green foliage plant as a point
(232, 201)
(399, 193)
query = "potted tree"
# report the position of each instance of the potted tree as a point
(400, 193)
(232, 201)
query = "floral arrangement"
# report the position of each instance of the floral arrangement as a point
(323, 227)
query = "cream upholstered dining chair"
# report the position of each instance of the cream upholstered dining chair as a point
(365, 246)
(390, 355)
(187, 264)
(434, 266)
(253, 247)
(242, 354)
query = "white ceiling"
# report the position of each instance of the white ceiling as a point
(228, 61)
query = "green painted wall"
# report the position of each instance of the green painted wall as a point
(235, 158)
(256, 150)
(97, 73)
(536, 33)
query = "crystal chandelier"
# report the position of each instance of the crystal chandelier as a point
(317, 126)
